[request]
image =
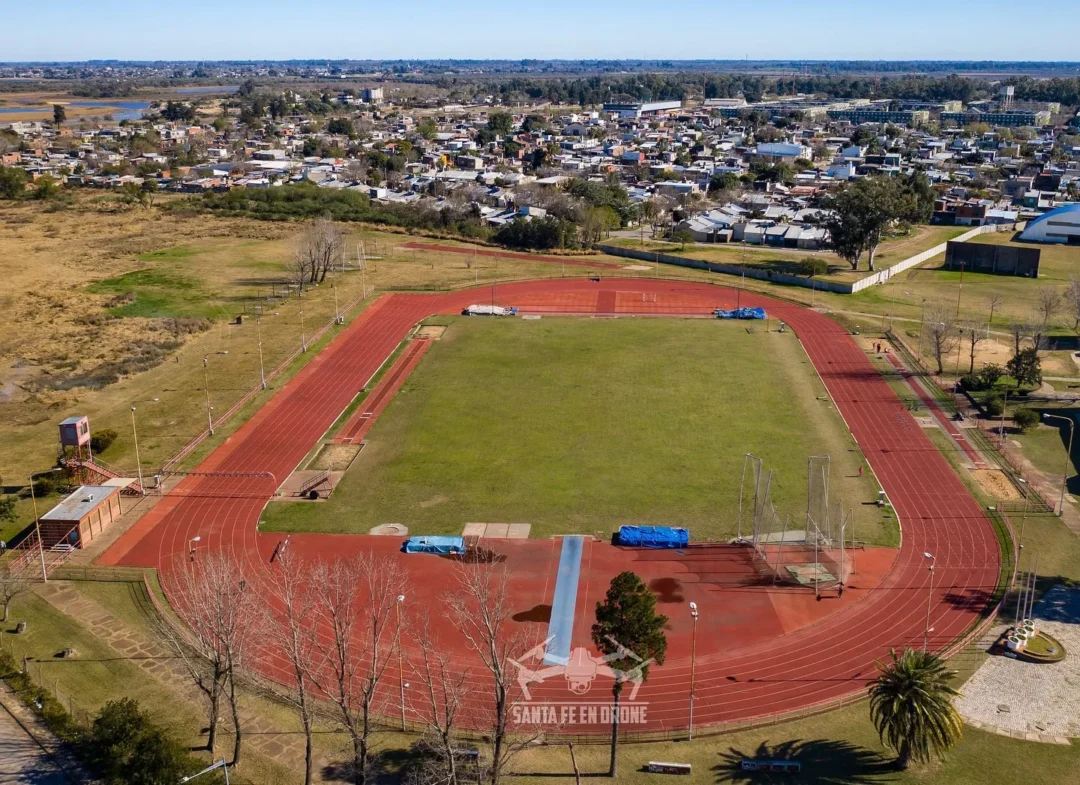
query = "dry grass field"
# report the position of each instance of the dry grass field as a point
(105, 307)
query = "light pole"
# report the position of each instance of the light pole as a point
(221, 764)
(400, 665)
(206, 386)
(303, 334)
(37, 524)
(1068, 457)
(262, 372)
(138, 463)
(693, 662)
(337, 312)
(929, 600)
(191, 546)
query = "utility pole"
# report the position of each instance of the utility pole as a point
(693, 663)
(206, 387)
(303, 334)
(262, 372)
(138, 462)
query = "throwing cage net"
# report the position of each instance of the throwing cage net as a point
(812, 548)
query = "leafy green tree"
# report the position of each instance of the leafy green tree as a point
(59, 115)
(501, 123)
(12, 182)
(1026, 367)
(7, 509)
(126, 748)
(46, 187)
(1025, 419)
(911, 705)
(725, 181)
(864, 210)
(427, 129)
(682, 237)
(340, 125)
(628, 625)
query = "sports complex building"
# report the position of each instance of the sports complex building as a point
(1057, 226)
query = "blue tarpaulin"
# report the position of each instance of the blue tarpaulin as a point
(653, 536)
(741, 313)
(446, 545)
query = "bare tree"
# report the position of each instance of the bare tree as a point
(1048, 306)
(941, 331)
(1020, 331)
(358, 603)
(444, 688)
(318, 250)
(12, 584)
(994, 301)
(210, 595)
(976, 333)
(290, 633)
(355, 170)
(481, 612)
(1072, 295)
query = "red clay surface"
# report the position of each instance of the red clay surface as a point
(759, 650)
(360, 423)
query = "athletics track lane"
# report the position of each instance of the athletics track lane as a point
(831, 658)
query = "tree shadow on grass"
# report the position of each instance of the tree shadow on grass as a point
(823, 761)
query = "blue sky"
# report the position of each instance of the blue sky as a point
(720, 29)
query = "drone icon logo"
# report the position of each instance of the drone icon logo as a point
(581, 669)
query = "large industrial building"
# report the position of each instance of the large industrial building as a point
(638, 110)
(1057, 226)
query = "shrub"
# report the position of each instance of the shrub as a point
(971, 382)
(994, 405)
(100, 440)
(1025, 419)
(813, 266)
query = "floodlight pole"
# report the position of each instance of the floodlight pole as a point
(400, 665)
(262, 372)
(206, 387)
(138, 463)
(303, 334)
(693, 663)
(37, 529)
(1068, 457)
(929, 600)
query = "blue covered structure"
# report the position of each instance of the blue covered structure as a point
(741, 313)
(454, 546)
(653, 537)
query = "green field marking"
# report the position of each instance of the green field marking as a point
(581, 425)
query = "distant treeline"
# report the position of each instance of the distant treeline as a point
(307, 201)
(596, 90)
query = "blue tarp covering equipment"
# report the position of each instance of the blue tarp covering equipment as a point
(741, 313)
(653, 536)
(444, 545)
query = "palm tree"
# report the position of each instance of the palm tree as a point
(911, 706)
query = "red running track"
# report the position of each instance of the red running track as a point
(735, 681)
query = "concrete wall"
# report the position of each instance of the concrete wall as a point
(881, 276)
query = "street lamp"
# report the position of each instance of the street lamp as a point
(693, 662)
(400, 665)
(191, 546)
(262, 373)
(221, 764)
(929, 600)
(37, 523)
(206, 387)
(303, 334)
(138, 462)
(1068, 456)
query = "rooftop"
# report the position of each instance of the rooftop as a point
(80, 503)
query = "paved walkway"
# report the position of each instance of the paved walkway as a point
(285, 747)
(29, 753)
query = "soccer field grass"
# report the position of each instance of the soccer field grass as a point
(582, 425)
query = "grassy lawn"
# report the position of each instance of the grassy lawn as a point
(581, 425)
(906, 292)
(1046, 445)
(786, 260)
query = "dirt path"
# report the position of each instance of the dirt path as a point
(29, 753)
